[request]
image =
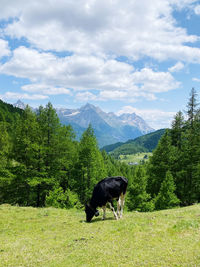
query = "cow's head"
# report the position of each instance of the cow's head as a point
(90, 212)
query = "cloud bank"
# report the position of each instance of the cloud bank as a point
(89, 49)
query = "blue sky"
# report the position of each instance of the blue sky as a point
(123, 56)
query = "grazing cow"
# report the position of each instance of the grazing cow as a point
(104, 192)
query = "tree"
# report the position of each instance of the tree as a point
(177, 129)
(90, 164)
(192, 107)
(6, 176)
(190, 154)
(68, 157)
(138, 199)
(159, 164)
(25, 153)
(20, 154)
(59, 198)
(49, 138)
(166, 198)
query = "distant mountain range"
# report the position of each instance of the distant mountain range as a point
(108, 127)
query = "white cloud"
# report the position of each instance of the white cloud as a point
(85, 96)
(183, 3)
(177, 67)
(113, 95)
(16, 96)
(156, 118)
(131, 28)
(28, 63)
(130, 96)
(12, 8)
(4, 49)
(197, 10)
(76, 71)
(123, 96)
(96, 33)
(45, 89)
(154, 82)
(53, 75)
(196, 80)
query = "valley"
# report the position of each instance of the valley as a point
(135, 159)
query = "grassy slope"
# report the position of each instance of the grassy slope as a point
(134, 157)
(145, 143)
(54, 237)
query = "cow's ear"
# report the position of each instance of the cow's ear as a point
(97, 213)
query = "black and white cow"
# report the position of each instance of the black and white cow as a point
(104, 192)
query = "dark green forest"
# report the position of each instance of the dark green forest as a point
(42, 163)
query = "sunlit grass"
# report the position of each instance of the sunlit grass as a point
(55, 237)
(135, 158)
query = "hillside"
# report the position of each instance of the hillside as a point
(145, 143)
(8, 112)
(56, 237)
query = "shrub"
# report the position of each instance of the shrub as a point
(59, 199)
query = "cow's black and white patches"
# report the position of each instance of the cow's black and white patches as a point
(104, 192)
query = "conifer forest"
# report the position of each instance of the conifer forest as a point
(43, 164)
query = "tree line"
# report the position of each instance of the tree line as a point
(178, 156)
(42, 163)
(172, 175)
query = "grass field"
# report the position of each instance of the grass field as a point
(134, 158)
(55, 237)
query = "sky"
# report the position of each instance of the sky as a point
(122, 56)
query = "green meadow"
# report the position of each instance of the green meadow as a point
(57, 237)
(135, 158)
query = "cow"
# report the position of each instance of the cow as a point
(104, 192)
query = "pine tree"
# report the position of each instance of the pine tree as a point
(91, 165)
(49, 137)
(68, 157)
(177, 139)
(166, 197)
(112, 166)
(192, 107)
(159, 164)
(6, 177)
(138, 199)
(190, 155)
(177, 129)
(49, 154)
(25, 152)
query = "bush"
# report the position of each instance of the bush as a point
(59, 199)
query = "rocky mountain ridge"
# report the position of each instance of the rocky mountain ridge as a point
(108, 127)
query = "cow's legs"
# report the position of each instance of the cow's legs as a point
(113, 210)
(122, 204)
(104, 212)
(119, 206)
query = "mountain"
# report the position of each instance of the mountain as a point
(108, 127)
(19, 104)
(134, 120)
(145, 143)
